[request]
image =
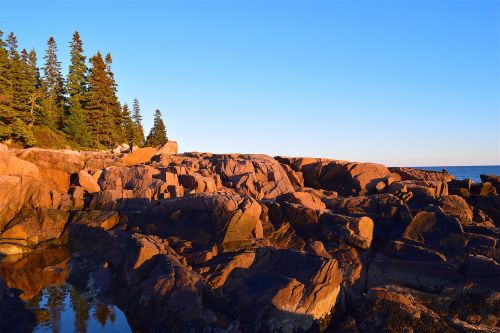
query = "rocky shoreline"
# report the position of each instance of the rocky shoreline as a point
(201, 242)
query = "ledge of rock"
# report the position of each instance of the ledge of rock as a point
(201, 242)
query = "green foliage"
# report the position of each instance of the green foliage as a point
(47, 137)
(138, 137)
(53, 83)
(23, 133)
(128, 124)
(158, 134)
(81, 112)
(76, 126)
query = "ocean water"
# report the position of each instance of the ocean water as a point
(464, 172)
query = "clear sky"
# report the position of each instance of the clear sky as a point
(397, 82)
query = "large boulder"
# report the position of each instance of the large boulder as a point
(278, 290)
(14, 166)
(432, 226)
(423, 175)
(18, 192)
(69, 161)
(456, 206)
(204, 219)
(356, 231)
(30, 228)
(260, 176)
(346, 178)
(88, 182)
(138, 156)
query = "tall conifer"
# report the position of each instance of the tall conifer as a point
(54, 86)
(76, 85)
(137, 119)
(158, 134)
(6, 111)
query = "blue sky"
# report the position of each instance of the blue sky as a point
(396, 82)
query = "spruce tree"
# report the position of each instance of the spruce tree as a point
(16, 73)
(37, 92)
(76, 85)
(114, 106)
(22, 87)
(128, 126)
(102, 105)
(54, 87)
(158, 134)
(6, 111)
(138, 129)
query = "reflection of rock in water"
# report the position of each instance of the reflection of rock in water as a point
(39, 279)
(40, 268)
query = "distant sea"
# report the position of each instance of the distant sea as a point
(463, 172)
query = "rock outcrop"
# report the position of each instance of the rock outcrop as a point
(201, 242)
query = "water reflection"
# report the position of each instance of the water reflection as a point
(59, 307)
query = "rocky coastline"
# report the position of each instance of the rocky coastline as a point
(201, 242)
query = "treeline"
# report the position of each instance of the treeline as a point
(81, 110)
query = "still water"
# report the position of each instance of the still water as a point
(42, 276)
(63, 309)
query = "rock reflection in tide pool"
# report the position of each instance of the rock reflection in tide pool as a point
(40, 277)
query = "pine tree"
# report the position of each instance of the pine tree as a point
(138, 138)
(158, 134)
(76, 85)
(54, 87)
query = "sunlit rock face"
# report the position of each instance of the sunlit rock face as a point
(201, 242)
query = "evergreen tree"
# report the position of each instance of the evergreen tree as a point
(37, 93)
(54, 87)
(138, 129)
(76, 84)
(6, 111)
(27, 87)
(115, 107)
(128, 125)
(102, 105)
(158, 134)
(22, 87)
(16, 74)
